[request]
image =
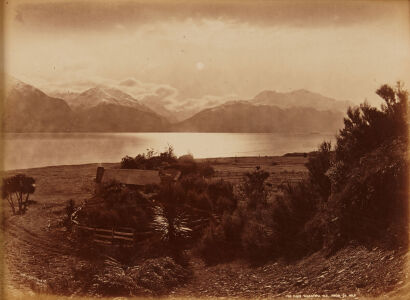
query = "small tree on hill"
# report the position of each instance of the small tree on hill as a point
(370, 173)
(318, 165)
(17, 189)
(254, 188)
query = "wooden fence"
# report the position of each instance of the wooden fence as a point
(126, 237)
(129, 237)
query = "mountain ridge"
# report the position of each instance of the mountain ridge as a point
(28, 109)
(300, 98)
(243, 116)
(108, 109)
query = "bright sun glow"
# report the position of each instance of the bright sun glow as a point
(200, 66)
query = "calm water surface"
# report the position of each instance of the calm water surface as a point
(28, 150)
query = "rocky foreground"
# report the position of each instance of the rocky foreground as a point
(353, 271)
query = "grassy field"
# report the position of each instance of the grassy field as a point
(36, 248)
(38, 254)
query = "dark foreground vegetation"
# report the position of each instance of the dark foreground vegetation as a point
(349, 215)
(167, 160)
(17, 189)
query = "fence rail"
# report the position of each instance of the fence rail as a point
(113, 236)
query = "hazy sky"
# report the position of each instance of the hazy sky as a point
(210, 50)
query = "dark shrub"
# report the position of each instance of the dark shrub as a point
(199, 200)
(222, 196)
(186, 157)
(186, 167)
(295, 232)
(128, 162)
(118, 206)
(374, 196)
(214, 247)
(149, 160)
(113, 193)
(17, 189)
(318, 164)
(195, 183)
(359, 192)
(369, 175)
(206, 170)
(254, 188)
(159, 275)
(111, 280)
(232, 224)
(256, 242)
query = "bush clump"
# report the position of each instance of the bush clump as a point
(168, 160)
(221, 242)
(16, 190)
(117, 205)
(159, 275)
(358, 192)
(149, 160)
(354, 192)
(243, 230)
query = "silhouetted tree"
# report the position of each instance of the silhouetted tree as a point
(17, 189)
(369, 174)
(318, 164)
(254, 188)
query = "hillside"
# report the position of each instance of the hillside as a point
(104, 108)
(117, 118)
(40, 258)
(245, 117)
(28, 109)
(103, 95)
(100, 109)
(300, 98)
(109, 109)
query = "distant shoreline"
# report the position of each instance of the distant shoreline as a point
(33, 150)
(213, 160)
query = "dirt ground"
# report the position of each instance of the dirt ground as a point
(37, 251)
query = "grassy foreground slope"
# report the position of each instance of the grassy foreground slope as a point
(39, 258)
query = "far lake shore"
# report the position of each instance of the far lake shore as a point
(32, 150)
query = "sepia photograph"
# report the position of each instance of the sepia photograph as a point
(203, 149)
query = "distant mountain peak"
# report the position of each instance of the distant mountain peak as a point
(27, 108)
(244, 116)
(266, 93)
(102, 95)
(300, 98)
(14, 85)
(96, 91)
(100, 108)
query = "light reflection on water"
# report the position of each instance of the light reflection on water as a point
(27, 150)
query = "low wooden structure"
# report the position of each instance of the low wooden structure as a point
(128, 176)
(124, 236)
(135, 178)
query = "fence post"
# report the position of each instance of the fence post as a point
(112, 237)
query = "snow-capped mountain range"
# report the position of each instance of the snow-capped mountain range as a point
(104, 108)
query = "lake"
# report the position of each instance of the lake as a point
(28, 150)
